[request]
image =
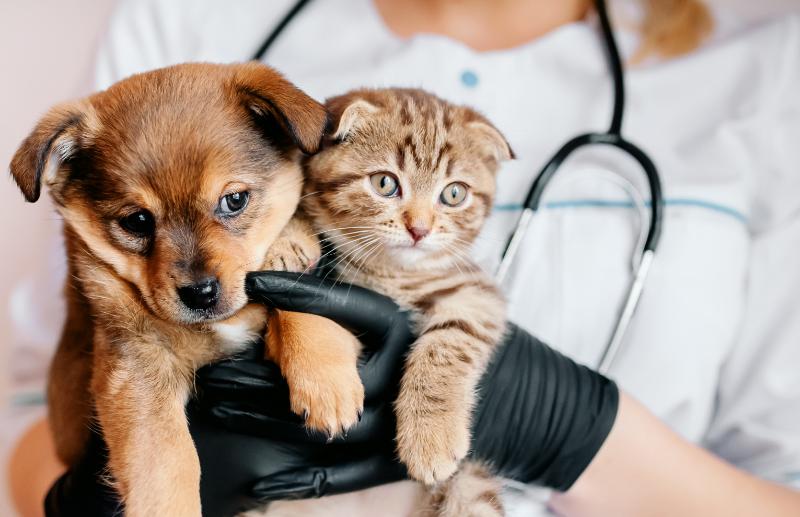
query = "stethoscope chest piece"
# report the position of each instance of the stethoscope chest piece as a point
(613, 137)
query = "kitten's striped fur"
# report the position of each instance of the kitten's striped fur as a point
(427, 144)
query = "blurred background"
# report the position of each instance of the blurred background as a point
(46, 54)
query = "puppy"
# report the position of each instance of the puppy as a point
(172, 185)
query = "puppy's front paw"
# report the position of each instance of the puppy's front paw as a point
(330, 399)
(319, 359)
(431, 442)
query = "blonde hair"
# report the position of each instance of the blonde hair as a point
(670, 28)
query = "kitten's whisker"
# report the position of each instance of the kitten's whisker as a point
(311, 194)
(340, 234)
(461, 256)
(345, 256)
(324, 230)
(334, 250)
(351, 257)
(372, 251)
(454, 253)
(351, 233)
(467, 244)
(348, 258)
(355, 261)
(360, 261)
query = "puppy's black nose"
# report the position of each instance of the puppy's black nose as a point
(202, 295)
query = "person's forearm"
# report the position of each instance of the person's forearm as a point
(32, 469)
(644, 468)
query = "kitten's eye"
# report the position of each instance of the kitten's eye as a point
(232, 204)
(454, 194)
(385, 184)
(140, 223)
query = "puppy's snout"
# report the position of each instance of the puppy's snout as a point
(201, 295)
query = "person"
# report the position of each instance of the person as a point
(708, 416)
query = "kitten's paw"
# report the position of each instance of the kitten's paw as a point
(297, 255)
(432, 445)
(330, 400)
(471, 492)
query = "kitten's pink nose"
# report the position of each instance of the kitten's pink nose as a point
(418, 232)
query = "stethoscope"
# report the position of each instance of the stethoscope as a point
(613, 137)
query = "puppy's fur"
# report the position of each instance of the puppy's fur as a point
(174, 143)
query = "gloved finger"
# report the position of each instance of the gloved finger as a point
(82, 490)
(372, 470)
(377, 423)
(359, 309)
(249, 378)
(381, 367)
(239, 378)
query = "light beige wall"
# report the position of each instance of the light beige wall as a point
(46, 49)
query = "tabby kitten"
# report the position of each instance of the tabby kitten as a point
(402, 189)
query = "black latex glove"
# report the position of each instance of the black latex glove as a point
(230, 400)
(541, 417)
(266, 440)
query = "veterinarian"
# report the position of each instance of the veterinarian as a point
(703, 414)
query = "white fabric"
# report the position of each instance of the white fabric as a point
(714, 349)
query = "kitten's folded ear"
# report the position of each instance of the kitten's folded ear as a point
(491, 139)
(55, 139)
(267, 93)
(347, 113)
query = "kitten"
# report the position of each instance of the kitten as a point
(402, 189)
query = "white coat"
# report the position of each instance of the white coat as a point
(714, 349)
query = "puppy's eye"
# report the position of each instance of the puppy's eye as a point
(140, 223)
(454, 194)
(385, 184)
(232, 204)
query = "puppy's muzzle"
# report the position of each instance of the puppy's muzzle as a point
(200, 296)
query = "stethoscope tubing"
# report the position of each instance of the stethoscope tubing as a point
(612, 137)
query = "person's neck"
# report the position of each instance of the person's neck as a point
(481, 24)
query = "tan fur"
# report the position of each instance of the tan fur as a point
(426, 144)
(324, 385)
(472, 491)
(174, 142)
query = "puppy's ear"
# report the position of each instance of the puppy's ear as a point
(491, 139)
(54, 140)
(347, 113)
(267, 94)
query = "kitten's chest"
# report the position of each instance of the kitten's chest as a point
(405, 288)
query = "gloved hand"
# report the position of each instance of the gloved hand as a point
(230, 419)
(248, 397)
(541, 417)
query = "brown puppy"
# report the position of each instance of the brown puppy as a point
(172, 185)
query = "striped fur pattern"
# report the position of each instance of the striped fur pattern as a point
(426, 145)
